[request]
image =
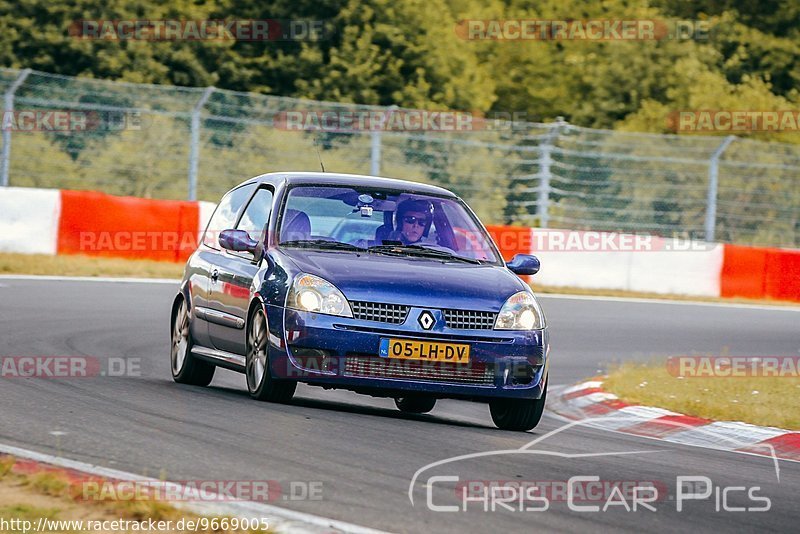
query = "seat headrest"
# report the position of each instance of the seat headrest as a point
(296, 226)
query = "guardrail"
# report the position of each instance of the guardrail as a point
(47, 221)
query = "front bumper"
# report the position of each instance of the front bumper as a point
(339, 352)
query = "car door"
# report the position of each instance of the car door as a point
(230, 281)
(207, 260)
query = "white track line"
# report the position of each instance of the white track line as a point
(564, 296)
(174, 281)
(641, 300)
(280, 519)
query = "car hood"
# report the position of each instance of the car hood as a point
(411, 281)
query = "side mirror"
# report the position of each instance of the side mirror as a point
(237, 241)
(522, 264)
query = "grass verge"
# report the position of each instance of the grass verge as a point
(53, 496)
(86, 266)
(39, 264)
(766, 401)
(643, 295)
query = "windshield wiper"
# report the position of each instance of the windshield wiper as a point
(422, 251)
(322, 244)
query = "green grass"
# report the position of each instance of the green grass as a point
(637, 294)
(766, 401)
(51, 495)
(86, 266)
(6, 463)
(39, 264)
(24, 511)
(48, 484)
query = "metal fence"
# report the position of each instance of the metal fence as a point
(177, 142)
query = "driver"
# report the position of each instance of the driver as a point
(412, 221)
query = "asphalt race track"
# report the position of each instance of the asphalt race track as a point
(362, 450)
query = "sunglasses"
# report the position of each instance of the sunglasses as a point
(419, 221)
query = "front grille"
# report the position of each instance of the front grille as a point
(380, 312)
(469, 320)
(374, 367)
(423, 336)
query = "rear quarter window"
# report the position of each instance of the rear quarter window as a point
(224, 217)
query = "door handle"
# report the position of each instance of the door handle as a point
(215, 275)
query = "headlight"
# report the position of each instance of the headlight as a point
(314, 294)
(520, 312)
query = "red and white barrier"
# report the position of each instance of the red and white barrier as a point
(104, 225)
(49, 221)
(40, 221)
(651, 264)
(29, 220)
(632, 263)
(761, 272)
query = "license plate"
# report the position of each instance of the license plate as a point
(432, 351)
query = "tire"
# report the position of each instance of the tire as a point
(186, 368)
(260, 382)
(517, 414)
(415, 404)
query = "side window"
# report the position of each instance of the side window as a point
(256, 214)
(225, 215)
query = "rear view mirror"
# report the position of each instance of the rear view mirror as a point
(237, 241)
(523, 264)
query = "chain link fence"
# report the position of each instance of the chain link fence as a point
(176, 142)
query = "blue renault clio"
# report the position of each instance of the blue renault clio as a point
(383, 287)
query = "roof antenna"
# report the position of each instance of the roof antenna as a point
(316, 147)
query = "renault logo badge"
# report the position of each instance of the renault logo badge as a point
(426, 320)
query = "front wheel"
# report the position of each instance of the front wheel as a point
(186, 368)
(415, 404)
(260, 382)
(517, 414)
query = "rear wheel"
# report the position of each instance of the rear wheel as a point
(186, 368)
(415, 404)
(517, 414)
(260, 382)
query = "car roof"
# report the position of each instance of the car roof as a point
(329, 178)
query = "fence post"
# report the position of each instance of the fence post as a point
(375, 153)
(8, 107)
(545, 161)
(375, 144)
(194, 147)
(713, 185)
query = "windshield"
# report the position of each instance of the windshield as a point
(383, 221)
